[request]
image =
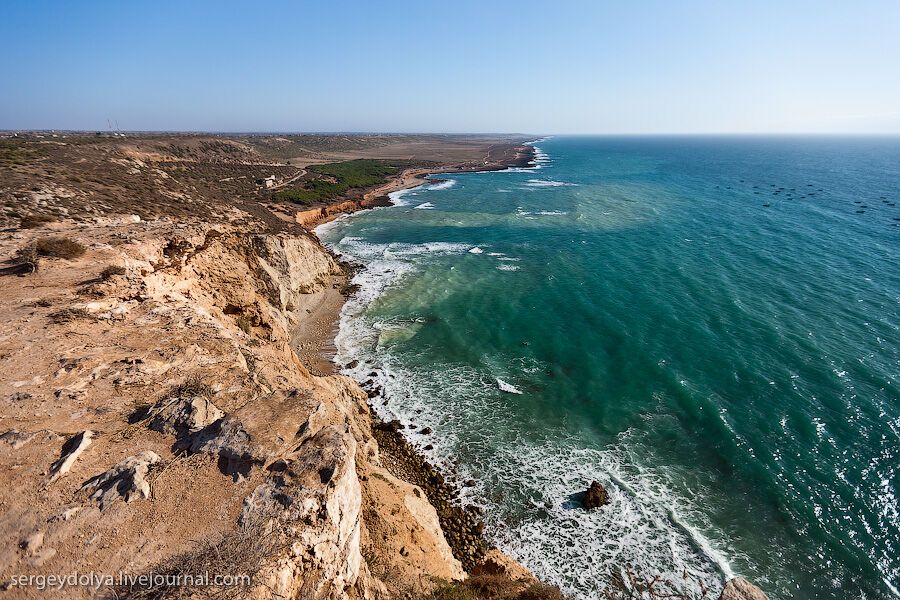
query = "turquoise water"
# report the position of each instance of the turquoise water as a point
(630, 311)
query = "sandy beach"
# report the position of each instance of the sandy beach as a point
(313, 340)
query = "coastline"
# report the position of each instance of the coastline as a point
(405, 452)
(515, 157)
(243, 304)
(314, 341)
(461, 523)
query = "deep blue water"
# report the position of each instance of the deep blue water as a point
(707, 326)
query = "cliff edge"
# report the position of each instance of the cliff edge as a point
(157, 420)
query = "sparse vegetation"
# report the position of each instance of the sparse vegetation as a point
(17, 151)
(58, 247)
(244, 324)
(541, 591)
(27, 259)
(493, 587)
(193, 386)
(239, 553)
(111, 271)
(32, 221)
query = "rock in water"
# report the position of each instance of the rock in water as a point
(595, 496)
(741, 589)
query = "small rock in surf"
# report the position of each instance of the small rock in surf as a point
(595, 496)
(508, 388)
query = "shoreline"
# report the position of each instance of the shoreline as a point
(461, 523)
(314, 342)
(523, 157)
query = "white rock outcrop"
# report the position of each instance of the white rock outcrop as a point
(72, 449)
(126, 480)
(313, 499)
(184, 414)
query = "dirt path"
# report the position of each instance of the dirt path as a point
(289, 180)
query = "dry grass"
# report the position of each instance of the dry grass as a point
(192, 387)
(111, 271)
(237, 554)
(59, 247)
(26, 259)
(541, 591)
(67, 315)
(32, 221)
(493, 587)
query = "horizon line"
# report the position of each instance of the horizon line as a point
(108, 132)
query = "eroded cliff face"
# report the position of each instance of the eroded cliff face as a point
(153, 415)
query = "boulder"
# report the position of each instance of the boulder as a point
(71, 450)
(595, 496)
(230, 441)
(126, 480)
(496, 563)
(184, 415)
(741, 589)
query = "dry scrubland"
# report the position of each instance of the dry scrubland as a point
(81, 177)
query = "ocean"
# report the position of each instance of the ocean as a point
(708, 326)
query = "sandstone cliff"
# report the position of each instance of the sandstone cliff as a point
(156, 418)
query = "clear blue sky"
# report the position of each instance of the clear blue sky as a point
(540, 67)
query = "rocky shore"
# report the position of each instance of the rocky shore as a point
(462, 525)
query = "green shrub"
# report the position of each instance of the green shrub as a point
(342, 177)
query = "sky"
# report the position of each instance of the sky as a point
(666, 66)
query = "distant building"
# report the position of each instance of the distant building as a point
(266, 182)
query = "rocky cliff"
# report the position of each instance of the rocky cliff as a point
(156, 419)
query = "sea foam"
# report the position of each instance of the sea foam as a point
(548, 183)
(443, 185)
